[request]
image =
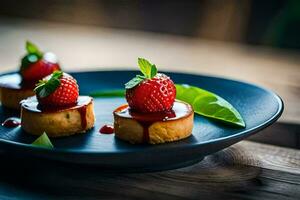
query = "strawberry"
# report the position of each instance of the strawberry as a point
(150, 92)
(37, 65)
(59, 89)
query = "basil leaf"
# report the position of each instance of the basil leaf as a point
(134, 82)
(109, 93)
(33, 49)
(43, 141)
(209, 104)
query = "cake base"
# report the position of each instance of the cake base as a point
(13, 90)
(57, 122)
(154, 128)
(11, 98)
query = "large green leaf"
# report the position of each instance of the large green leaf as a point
(209, 104)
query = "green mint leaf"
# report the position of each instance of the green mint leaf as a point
(153, 71)
(32, 56)
(46, 87)
(149, 70)
(33, 49)
(134, 82)
(209, 104)
(145, 67)
(43, 141)
(108, 93)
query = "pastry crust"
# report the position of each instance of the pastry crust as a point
(63, 122)
(11, 97)
(133, 131)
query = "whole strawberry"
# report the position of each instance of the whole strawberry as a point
(150, 92)
(57, 90)
(37, 65)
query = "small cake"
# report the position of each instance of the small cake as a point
(152, 115)
(35, 66)
(57, 108)
(12, 90)
(154, 128)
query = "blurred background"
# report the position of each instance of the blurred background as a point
(274, 23)
(249, 40)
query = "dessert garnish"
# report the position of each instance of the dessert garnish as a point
(18, 86)
(204, 103)
(150, 92)
(36, 64)
(11, 122)
(43, 141)
(152, 115)
(107, 129)
(57, 108)
(209, 105)
(60, 89)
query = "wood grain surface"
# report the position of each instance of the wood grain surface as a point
(247, 170)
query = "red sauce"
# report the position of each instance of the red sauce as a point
(11, 122)
(179, 110)
(147, 119)
(32, 105)
(82, 111)
(107, 129)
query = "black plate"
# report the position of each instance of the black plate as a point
(259, 107)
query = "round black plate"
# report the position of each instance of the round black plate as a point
(259, 108)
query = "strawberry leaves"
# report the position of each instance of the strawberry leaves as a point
(46, 87)
(33, 49)
(32, 56)
(134, 82)
(148, 70)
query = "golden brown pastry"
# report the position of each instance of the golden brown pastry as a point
(154, 128)
(57, 122)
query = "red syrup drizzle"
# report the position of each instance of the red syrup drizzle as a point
(81, 105)
(82, 111)
(151, 118)
(107, 129)
(146, 135)
(11, 122)
(145, 119)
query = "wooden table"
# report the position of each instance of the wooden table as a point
(247, 170)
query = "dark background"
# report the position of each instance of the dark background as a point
(273, 23)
